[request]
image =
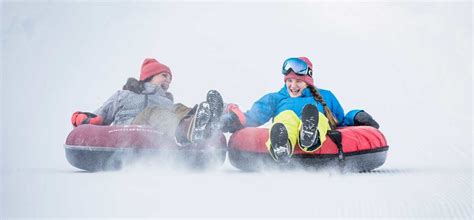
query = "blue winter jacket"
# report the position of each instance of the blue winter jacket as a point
(272, 104)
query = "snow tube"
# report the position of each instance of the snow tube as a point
(97, 148)
(363, 148)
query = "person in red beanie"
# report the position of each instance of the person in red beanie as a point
(146, 101)
(302, 114)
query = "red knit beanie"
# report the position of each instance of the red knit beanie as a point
(151, 67)
(307, 79)
(306, 60)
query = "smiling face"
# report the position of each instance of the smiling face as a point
(162, 79)
(295, 87)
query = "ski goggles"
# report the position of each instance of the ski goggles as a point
(297, 66)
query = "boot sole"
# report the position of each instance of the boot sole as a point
(216, 104)
(310, 120)
(200, 121)
(279, 138)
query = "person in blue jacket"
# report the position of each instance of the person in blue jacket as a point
(301, 113)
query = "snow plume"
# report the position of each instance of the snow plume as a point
(183, 160)
(168, 156)
(105, 148)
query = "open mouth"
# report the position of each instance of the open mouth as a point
(295, 91)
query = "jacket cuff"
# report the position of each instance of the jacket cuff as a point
(349, 118)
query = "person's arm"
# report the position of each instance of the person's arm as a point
(338, 111)
(349, 118)
(360, 117)
(352, 118)
(261, 111)
(109, 109)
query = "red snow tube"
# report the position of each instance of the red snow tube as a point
(96, 148)
(363, 148)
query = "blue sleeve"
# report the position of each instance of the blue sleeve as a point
(349, 119)
(261, 111)
(338, 111)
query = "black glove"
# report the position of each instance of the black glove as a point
(230, 122)
(134, 85)
(363, 118)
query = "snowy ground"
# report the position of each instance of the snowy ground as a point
(408, 64)
(391, 191)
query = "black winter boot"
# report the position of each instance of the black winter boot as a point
(198, 130)
(216, 105)
(280, 147)
(309, 135)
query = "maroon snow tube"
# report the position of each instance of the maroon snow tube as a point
(97, 148)
(363, 149)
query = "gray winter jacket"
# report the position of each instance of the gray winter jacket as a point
(124, 105)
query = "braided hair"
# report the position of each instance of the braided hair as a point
(327, 111)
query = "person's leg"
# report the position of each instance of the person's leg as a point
(323, 128)
(202, 121)
(187, 125)
(181, 110)
(283, 136)
(187, 116)
(197, 125)
(286, 130)
(216, 104)
(164, 120)
(143, 117)
(313, 129)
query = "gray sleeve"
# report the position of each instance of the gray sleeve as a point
(109, 109)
